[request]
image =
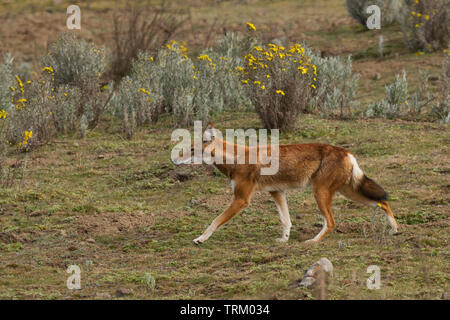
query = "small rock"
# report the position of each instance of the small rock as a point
(90, 240)
(322, 268)
(445, 296)
(431, 79)
(307, 203)
(377, 76)
(182, 176)
(36, 213)
(103, 295)
(122, 292)
(307, 282)
(72, 248)
(101, 156)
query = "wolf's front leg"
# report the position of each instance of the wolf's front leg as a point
(236, 206)
(243, 191)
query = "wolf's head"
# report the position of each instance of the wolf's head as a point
(208, 138)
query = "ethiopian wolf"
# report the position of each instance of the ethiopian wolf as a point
(327, 168)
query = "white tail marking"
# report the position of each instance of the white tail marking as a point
(357, 173)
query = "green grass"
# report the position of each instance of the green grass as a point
(140, 220)
(117, 209)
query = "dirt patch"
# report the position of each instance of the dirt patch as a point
(112, 223)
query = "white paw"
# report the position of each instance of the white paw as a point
(281, 240)
(198, 240)
(310, 241)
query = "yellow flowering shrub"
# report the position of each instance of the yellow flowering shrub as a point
(12, 102)
(40, 111)
(280, 81)
(426, 26)
(185, 88)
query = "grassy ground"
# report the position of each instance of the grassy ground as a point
(124, 213)
(121, 209)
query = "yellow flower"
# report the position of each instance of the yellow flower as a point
(257, 48)
(257, 82)
(20, 84)
(313, 86)
(21, 100)
(251, 26)
(27, 135)
(263, 87)
(304, 70)
(204, 57)
(244, 81)
(3, 114)
(144, 91)
(48, 69)
(280, 92)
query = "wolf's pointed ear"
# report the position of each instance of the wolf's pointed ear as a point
(210, 125)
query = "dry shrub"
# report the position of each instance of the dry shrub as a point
(442, 108)
(390, 10)
(142, 27)
(425, 25)
(78, 63)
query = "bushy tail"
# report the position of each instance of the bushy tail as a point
(364, 185)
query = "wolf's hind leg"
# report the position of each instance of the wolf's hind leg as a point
(324, 199)
(280, 201)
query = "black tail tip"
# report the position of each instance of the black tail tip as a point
(372, 190)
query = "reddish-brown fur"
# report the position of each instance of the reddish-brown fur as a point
(327, 168)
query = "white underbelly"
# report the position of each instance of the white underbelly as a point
(283, 186)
